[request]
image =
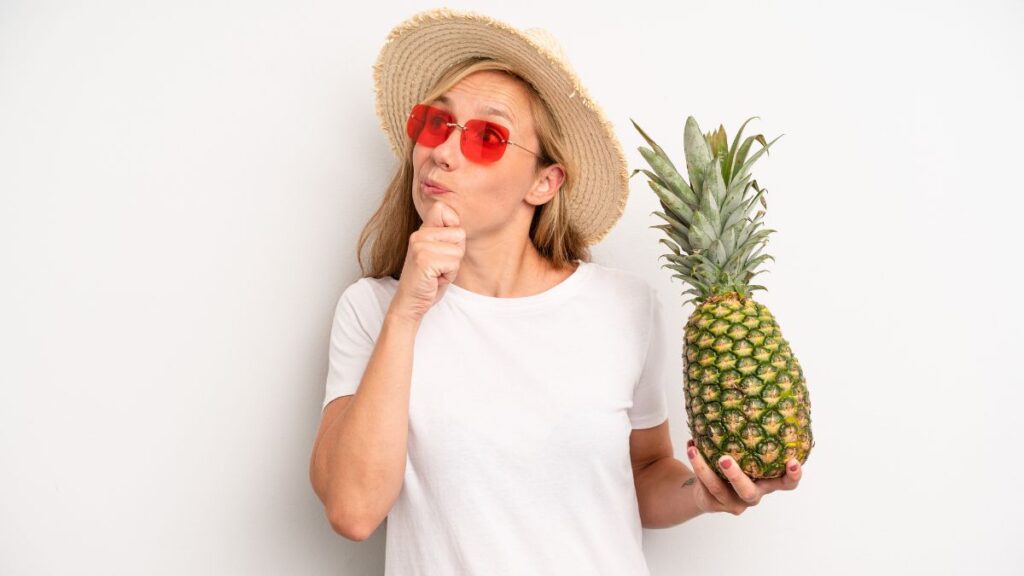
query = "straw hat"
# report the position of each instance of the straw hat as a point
(420, 49)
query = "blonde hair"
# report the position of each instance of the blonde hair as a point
(551, 232)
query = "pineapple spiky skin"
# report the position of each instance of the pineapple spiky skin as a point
(744, 390)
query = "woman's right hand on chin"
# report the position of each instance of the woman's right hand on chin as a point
(431, 262)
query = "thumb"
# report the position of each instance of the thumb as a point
(440, 214)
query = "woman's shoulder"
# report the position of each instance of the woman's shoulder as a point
(369, 295)
(385, 283)
(620, 280)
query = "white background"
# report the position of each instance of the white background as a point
(183, 184)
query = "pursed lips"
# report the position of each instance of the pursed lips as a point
(431, 187)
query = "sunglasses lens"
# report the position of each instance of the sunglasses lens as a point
(415, 122)
(428, 125)
(483, 142)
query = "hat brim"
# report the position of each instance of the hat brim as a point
(419, 50)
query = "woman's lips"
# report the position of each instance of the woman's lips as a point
(433, 190)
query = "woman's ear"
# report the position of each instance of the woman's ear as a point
(547, 185)
(553, 177)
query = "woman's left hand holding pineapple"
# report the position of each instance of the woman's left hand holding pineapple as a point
(711, 494)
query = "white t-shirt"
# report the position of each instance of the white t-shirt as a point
(520, 413)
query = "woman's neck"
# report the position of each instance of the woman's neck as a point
(516, 276)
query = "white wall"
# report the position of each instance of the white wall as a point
(183, 184)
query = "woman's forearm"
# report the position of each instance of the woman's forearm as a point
(664, 491)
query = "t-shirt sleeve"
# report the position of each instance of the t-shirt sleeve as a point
(650, 406)
(351, 344)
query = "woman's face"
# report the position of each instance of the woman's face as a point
(487, 197)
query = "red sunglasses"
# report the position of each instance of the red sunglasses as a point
(482, 142)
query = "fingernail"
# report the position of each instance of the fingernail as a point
(690, 442)
(726, 463)
(793, 466)
(691, 452)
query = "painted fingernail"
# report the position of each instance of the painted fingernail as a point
(726, 463)
(793, 466)
(691, 452)
(690, 442)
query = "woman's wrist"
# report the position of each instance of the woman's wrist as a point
(401, 321)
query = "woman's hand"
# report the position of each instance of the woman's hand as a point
(711, 494)
(432, 261)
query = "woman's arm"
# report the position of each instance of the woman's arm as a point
(358, 464)
(664, 494)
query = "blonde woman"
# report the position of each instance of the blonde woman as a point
(494, 394)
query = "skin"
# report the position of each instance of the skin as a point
(495, 202)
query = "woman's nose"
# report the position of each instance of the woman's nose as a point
(446, 151)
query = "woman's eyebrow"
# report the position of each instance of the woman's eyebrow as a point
(486, 109)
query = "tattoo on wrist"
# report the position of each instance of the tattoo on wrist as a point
(689, 481)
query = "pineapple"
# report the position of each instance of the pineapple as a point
(744, 389)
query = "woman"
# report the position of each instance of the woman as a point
(493, 393)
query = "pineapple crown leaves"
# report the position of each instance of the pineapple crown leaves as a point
(715, 244)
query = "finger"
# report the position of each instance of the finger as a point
(448, 235)
(441, 214)
(741, 483)
(709, 479)
(787, 481)
(439, 250)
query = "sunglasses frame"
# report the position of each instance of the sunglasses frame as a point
(502, 132)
